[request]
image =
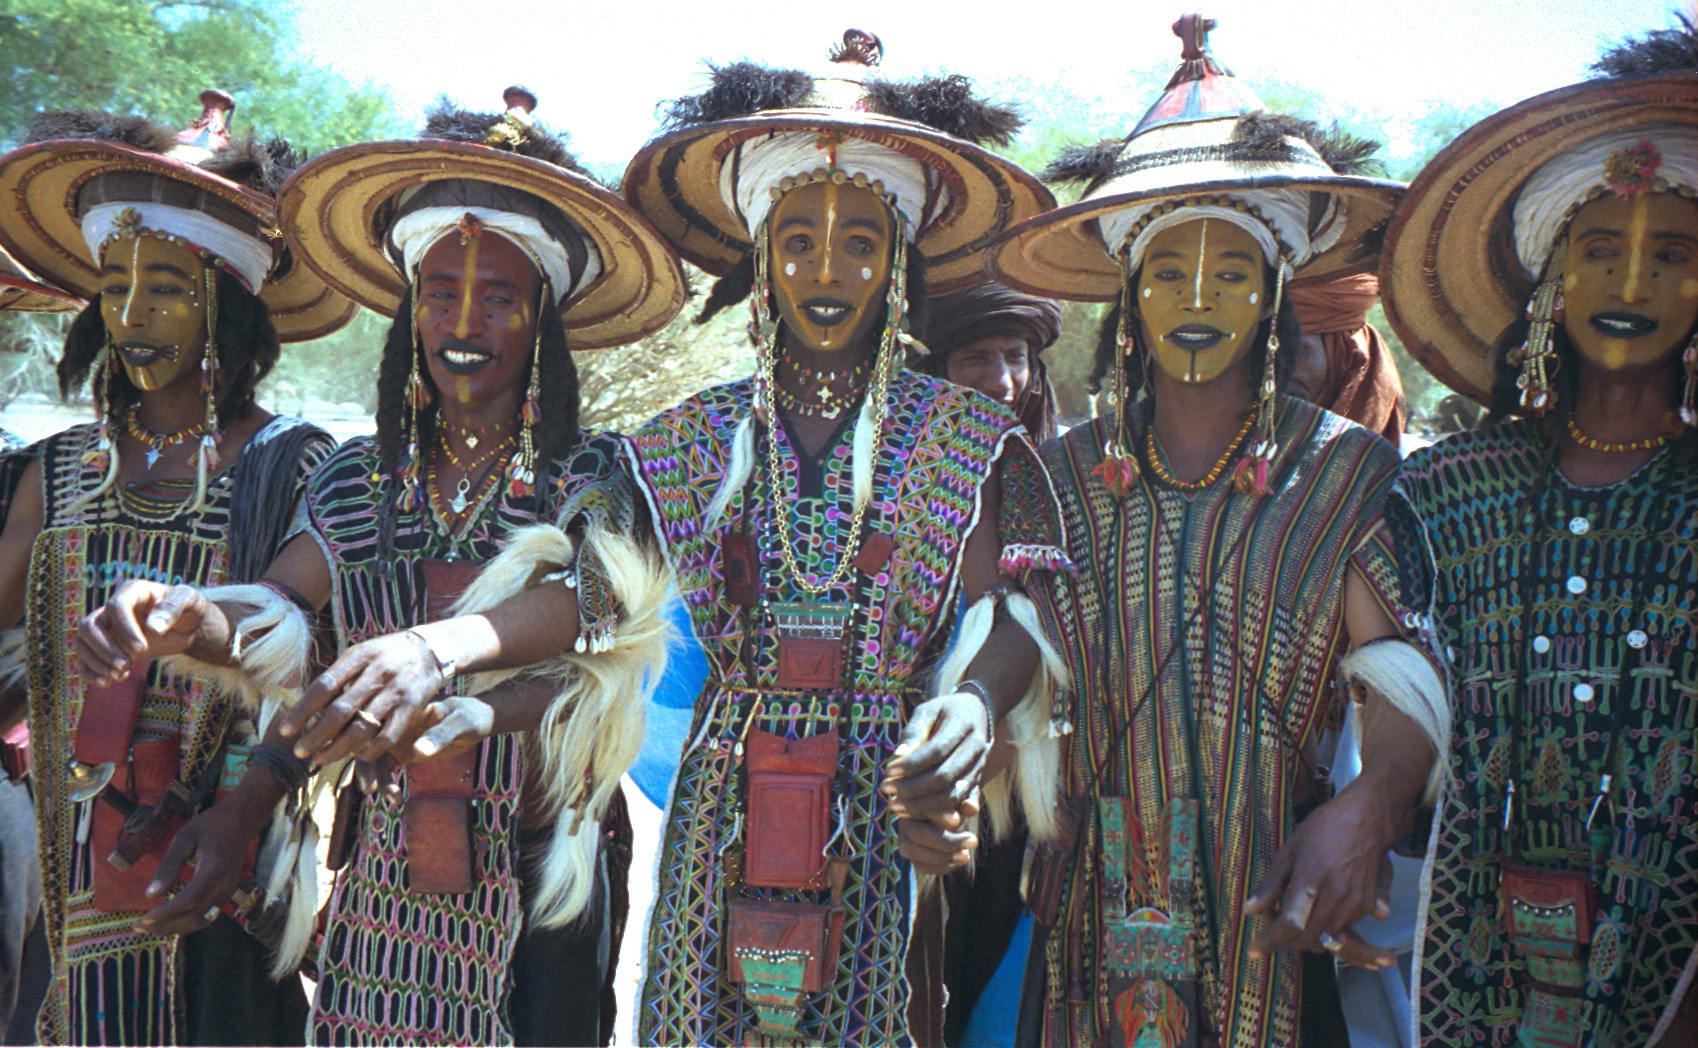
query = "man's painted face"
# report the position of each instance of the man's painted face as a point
(1202, 294)
(1630, 279)
(476, 315)
(831, 249)
(153, 300)
(998, 366)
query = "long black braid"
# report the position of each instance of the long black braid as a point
(557, 430)
(247, 350)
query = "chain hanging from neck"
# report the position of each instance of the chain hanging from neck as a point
(206, 456)
(1119, 471)
(1251, 475)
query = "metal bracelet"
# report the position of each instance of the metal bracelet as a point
(445, 669)
(978, 686)
(289, 770)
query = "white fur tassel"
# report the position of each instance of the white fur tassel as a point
(1036, 774)
(287, 867)
(1396, 670)
(594, 728)
(106, 482)
(271, 665)
(13, 651)
(861, 461)
(736, 475)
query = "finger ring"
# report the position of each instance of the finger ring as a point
(365, 717)
(212, 914)
(1330, 943)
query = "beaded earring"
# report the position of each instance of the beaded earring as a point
(1250, 476)
(1537, 356)
(416, 399)
(206, 456)
(521, 470)
(1689, 400)
(1119, 470)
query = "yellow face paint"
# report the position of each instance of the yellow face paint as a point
(1630, 279)
(153, 302)
(468, 282)
(1201, 294)
(831, 250)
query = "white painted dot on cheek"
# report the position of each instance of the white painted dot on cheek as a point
(1254, 298)
(866, 272)
(789, 269)
(1146, 292)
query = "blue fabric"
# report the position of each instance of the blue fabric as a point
(992, 1023)
(670, 709)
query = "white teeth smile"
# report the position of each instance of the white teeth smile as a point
(1625, 327)
(458, 356)
(827, 314)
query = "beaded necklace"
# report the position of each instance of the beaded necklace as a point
(156, 443)
(1206, 479)
(463, 490)
(1651, 443)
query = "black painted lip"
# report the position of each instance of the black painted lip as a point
(141, 354)
(811, 308)
(1637, 324)
(1211, 336)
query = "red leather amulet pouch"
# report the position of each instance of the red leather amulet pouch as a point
(789, 809)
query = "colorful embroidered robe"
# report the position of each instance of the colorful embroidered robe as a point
(399, 967)
(110, 983)
(940, 444)
(1569, 571)
(1250, 592)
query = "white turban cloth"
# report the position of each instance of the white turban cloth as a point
(1282, 230)
(749, 175)
(417, 231)
(249, 257)
(1549, 199)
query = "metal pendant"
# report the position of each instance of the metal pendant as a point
(152, 456)
(458, 502)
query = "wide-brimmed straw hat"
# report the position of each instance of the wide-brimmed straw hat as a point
(82, 160)
(1207, 137)
(338, 211)
(973, 195)
(1451, 276)
(20, 291)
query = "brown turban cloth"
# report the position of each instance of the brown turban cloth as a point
(988, 309)
(1361, 378)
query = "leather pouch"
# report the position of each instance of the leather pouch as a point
(436, 825)
(810, 645)
(775, 942)
(155, 765)
(1549, 913)
(739, 566)
(789, 809)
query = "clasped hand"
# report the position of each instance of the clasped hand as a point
(932, 781)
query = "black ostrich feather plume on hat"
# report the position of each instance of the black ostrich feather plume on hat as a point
(499, 131)
(1659, 51)
(133, 131)
(262, 164)
(943, 103)
(1345, 153)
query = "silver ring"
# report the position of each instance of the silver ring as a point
(212, 914)
(1330, 944)
(364, 716)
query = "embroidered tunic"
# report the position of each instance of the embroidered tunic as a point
(399, 967)
(111, 984)
(1593, 554)
(1238, 604)
(940, 444)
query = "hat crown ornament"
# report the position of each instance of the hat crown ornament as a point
(211, 130)
(515, 125)
(842, 84)
(1201, 88)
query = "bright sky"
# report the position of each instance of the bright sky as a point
(600, 67)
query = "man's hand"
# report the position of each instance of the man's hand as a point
(142, 621)
(933, 849)
(215, 843)
(939, 762)
(370, 701)
(1333, 871)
